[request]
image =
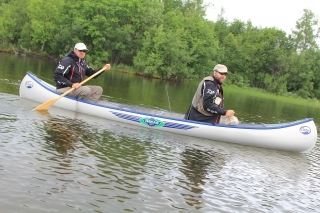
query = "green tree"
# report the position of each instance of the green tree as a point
(128, 23)
(12, 19)
(44, 15)
(183, 47)
(300, 74)
(258, 52)
(316, 72)
(306, 32)
(4, 1)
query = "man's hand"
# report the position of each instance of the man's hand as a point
(76, 85)
(230, 113)
(107, 67)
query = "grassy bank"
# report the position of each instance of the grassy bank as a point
(289, 98)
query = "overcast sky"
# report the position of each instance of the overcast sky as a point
(281, 14)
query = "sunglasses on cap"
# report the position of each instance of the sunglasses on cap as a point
(225, 74)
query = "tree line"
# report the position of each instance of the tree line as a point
(168, 38)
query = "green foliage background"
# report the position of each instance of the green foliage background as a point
(170, 39)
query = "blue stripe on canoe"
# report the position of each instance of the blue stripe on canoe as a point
(166, 124)
(178, 126)
(127, 117)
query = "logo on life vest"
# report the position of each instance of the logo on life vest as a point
(151, 122)
(305, 130)
(209, 91)
(29, 84)
(60, 67)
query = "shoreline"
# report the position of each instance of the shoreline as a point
(24, 54)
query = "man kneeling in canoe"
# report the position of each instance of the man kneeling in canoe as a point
(71, 72)
(207, 103)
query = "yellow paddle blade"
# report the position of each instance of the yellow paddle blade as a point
(46, 105)
(43, 112)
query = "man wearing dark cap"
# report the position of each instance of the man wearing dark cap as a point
(72, 70)
(207, 103)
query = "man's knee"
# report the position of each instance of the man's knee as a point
(99, 90)
(84, 91)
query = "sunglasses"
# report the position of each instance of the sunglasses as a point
(225, 74)
(84, 51)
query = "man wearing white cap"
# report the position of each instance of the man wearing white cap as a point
(207, 103)
(72, 70)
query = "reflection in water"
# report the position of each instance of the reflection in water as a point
(64, 134)
(197, 164)
(94, 159)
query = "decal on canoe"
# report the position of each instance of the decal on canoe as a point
(29, 84)
(153, 122)
(305, 130)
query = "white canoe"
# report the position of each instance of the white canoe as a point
(296, 136)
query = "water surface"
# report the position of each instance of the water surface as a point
(70, 162)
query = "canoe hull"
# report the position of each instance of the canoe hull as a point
(297, 136)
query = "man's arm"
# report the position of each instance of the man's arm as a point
(90, 71)
(61, 71)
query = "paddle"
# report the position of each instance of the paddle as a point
(47, 104)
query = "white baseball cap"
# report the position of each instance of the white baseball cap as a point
(80, 46)
(220, 68)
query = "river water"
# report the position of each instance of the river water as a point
(70, 162)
